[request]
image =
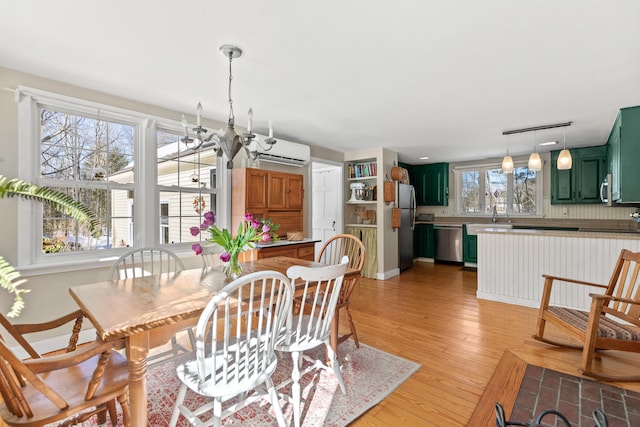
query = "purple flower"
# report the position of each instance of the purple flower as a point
(266, 228)
(255, 224)
(197, 248)
(194, 231)
(248, 217)
(204, 225)
(266, 237)
(209, 218)
(225, 257)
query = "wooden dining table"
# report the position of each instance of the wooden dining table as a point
(147, 311)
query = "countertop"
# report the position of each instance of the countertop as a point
(538, 224)
(284, 242)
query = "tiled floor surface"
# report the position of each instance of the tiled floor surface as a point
(576, 398)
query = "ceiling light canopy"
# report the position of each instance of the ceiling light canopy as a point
(229, 143)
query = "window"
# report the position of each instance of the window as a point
(98, 155)
(480, 189)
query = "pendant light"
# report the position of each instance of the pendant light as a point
(535, 162)
(564, 159)
(507, 161)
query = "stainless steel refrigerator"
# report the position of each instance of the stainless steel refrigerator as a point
(406, 201)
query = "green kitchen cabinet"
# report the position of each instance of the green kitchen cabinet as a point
(581, 183)
(424, 241)
(623, 148)
(469, 246)
(431, 184)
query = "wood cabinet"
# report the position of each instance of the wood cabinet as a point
(623, 148)
(424, 241)
(581, 183)
(277, 196)
(431, 183)
(304, 251)
(285, 190)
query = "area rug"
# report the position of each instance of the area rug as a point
(526, 391)
(369, 375)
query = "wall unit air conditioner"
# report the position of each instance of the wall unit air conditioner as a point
(283, 152)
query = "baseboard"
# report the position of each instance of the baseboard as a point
(388, 274)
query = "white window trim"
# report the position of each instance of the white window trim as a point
(523, 163)
(30, 259)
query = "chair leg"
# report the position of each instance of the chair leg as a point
(295, 387)
(352, 327)
(176, 408)
(111, 409)
(336, 367)
(123, 400)
(217, 412)
(275, 402)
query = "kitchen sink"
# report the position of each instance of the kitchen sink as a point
(472, 229)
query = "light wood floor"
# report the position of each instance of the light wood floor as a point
(429, 314)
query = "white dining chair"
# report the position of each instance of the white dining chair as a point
(145, 262)
(310, 325)
(149, 262)
(235, 348)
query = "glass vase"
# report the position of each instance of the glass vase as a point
(232, 268)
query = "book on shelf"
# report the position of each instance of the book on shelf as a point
(363, 170)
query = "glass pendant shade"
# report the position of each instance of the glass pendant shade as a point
(507, 164)
(564, 160)
(535, 162)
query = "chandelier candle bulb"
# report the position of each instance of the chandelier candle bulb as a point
(199, 115)
(184, 126)
(270, 129)
(250, 123)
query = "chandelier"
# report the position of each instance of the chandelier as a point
(228, 143)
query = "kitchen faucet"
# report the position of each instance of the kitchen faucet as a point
(494, 219)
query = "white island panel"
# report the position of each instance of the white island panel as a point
(511, 264)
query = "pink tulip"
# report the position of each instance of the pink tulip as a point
(204, 225)
(266, 237)
(197, 248)
(194, 231)
(225, 257)
(248, 217)
(255, 224)
(266, 228)
(210, 218)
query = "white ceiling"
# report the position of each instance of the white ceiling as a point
(422, 77)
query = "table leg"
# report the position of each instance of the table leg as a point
(137, 346)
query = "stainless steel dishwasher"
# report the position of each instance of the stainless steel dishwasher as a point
(449, 238)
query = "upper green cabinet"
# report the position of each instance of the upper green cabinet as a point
(581, 183)
(624, 151)
(431, 183)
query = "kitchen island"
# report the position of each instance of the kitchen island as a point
(511, 263)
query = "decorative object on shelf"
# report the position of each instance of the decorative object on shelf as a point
(294, 236)
(363, 170)
(564, 160)
(249, 232)
(230, 142)
(358, 191)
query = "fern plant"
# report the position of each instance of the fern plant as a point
(9, 277)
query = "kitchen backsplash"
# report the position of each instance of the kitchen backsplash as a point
(598, 212)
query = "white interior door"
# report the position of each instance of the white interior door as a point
(326, 202)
